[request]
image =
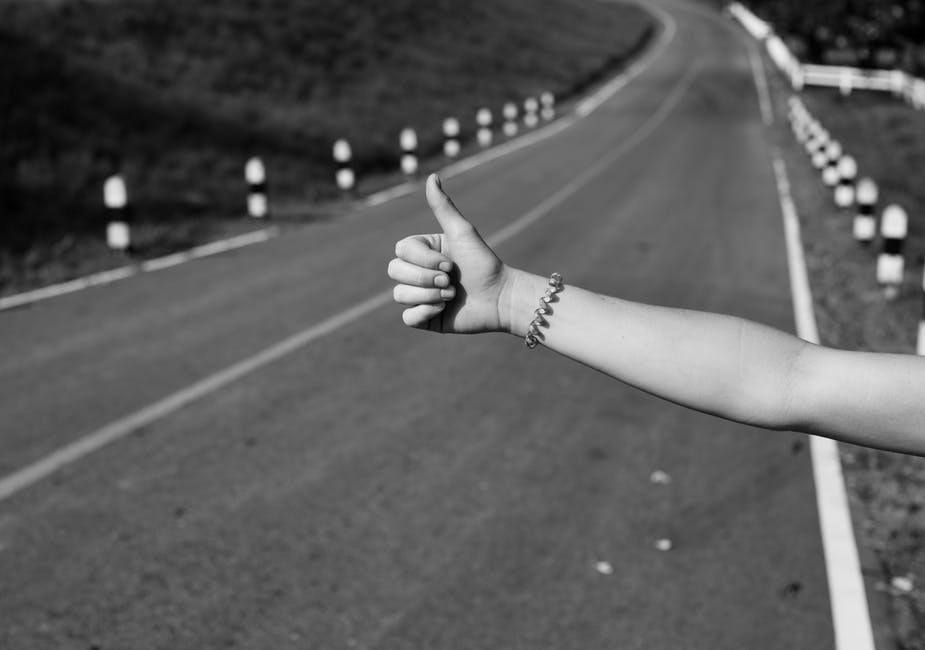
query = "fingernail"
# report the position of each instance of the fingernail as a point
(442, 281)
(446, 293)
(446, 267)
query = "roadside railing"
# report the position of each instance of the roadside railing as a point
(845, 78)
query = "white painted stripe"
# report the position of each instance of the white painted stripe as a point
(391, 193)
(108, 277)
(582, 110)
(761, 84)
(850, 615)
(647, 128)
(112, 432)
(96, 279)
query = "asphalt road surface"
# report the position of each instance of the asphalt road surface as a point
(381, 487)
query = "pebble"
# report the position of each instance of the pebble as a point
(604, 568)
(659, 477)
(902, 583)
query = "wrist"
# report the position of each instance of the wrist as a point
(518, 300)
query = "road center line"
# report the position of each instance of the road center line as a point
(850, 615)
(91, 442)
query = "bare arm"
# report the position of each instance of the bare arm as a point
(718, 364)
(733, 368)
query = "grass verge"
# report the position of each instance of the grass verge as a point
(887, 491)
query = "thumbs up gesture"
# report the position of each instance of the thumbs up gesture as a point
(449, 282)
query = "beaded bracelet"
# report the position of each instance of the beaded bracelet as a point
(532, 337)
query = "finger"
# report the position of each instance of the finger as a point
(450, 218)
(407, 273)
(419, 251)
(419, 315)
(405, 294)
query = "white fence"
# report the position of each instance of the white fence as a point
(846, 79)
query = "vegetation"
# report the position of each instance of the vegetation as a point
(870, 33)
(177, 95)
(887, 137)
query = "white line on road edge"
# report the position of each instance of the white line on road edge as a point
(44, 467)
(761, 84)
(107, 277)
(582, 110)
(850, 616)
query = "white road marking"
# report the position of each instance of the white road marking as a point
(669, 28)
(104, 277)
(108, 277)
(91, 442)
(391, 193)
(850, 615)
(761, 84)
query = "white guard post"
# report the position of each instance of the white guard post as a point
(847, 173)
(833, 154)
(890, 262)
(531, 107)
(510, 119)
(920, 348)
(483, 120)
(408, 140)
(343, 156)
(865, 223)
(548, 102)
(115, 199)
(817, 149)
(451, 135)
(258, 206)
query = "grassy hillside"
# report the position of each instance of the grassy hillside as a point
(177, 95)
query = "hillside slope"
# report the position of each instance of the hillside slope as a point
(177, 95)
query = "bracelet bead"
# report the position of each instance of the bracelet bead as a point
(533, 337)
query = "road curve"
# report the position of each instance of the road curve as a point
(386, 488)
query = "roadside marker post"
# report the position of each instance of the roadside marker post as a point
(847, 169)
(343, 155)
(844, 83)
(920, 347)
(865, 223)
(483, 120)
(115, 199)
(891, 266)
(531, 106)
(548, 101)
(451, 135)
(255, 173)
(833, 153)
(510, 119)
(408, 140)
(817, 149)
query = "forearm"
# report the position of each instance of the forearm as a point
(713, 363)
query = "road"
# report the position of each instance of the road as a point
(380, 487)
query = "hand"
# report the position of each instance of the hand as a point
(451, 282)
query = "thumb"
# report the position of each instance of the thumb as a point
(451, 220)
